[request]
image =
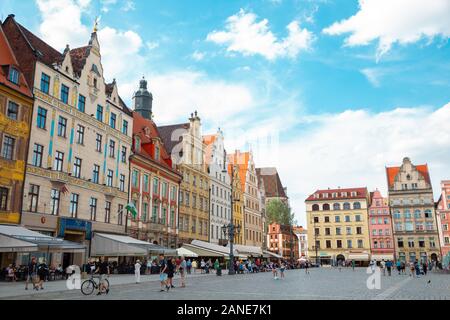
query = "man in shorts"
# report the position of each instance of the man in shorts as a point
(163, 273)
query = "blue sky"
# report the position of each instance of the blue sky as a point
(347, 90)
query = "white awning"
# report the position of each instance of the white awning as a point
(380, 257)
(205, 252)
(247, 250)
(110, 245)
(184, 252)
(359, 257)
(269, 254)
(32, 241)
(10, 244)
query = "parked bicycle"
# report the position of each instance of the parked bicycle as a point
(88, 286)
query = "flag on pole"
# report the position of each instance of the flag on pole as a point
(131, 208)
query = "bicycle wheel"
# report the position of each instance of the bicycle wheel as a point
(105, 286)
(87, 288)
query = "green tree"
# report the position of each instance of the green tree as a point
(279, 212)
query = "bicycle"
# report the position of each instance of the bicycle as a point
(88, 286)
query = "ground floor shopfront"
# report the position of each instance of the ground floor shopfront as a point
(360, 258)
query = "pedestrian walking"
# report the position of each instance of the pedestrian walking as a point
(202, 266)
(389, 267)
(194, 265)
(399, 267)
(425, 268)
(307, 267)
(383, 266)
(137, 271)
(217, 267)
(412, 269)
(188, 265)
(42, 273)
(274, 271)
(282, 269)
(353, 265)
(31, 273)
(163, 273)
(417, 269)
(182, 270)
(171, 265)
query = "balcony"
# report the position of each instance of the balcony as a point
(59, 177)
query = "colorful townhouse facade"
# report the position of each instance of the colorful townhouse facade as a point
(16, 106)
(253, 223)
(238, 201)
(184, 142)
(282, 240)
(302, 235)
(81, 133)
(380, 228)
(220, 186)
(154, 181)
(416, 236)
(337, 226)
(443, 216)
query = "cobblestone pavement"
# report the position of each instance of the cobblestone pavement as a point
(319, 284)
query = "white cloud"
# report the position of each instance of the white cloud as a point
(244, 34)
(106, 4)
(152, 45)
(373, 75)
(61, 22)
(352, 149)
(198, 56)
(129, 5)
(394, 21)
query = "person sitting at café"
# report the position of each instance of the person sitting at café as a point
(11, 273)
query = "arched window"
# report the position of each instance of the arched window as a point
(356, 205)
(315, 207)
(428, 213)
(346, 206)
(326, 207)
(336, 206)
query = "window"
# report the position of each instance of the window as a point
(145, 183)
(411, 243)
(327, 219)
(164, 189)
(8, 147)
(155, 186)
(62, 127)
(336, 206)
(120, 215)
(64, 94)
(409, 226)
(74, 205)
(347, 218)
(77, 168)
(45, 83)
(316, 231)
(163, 216)
(124, 155)
(358, 230)
(59, 161)
(112, 148)
(339, 243)
(125, 127)
(360, 244)
(135, 178)
(13, 75)
(349, 244)
(338, 231)
(417, 214)
(337, 219)
(109, 179)
(397, 214)
(38, 151)
(80, 134)
(81, 103)
(42, 118)
(137, 144)
(13, 110)
(428, 213)
(173, 192)
(33, 195)
(346, 206)
(98, 146)
(407, 213)
(112, 120)
(144, 212)
(157, 151)
(4, 193)
(54, 202)
(122, 183)
(100, 113)
(93, 208)
(107, 212)
(327, 231)
(357, 206)
(96, 174)
(155, 213)
(358, 218)
(349, 230)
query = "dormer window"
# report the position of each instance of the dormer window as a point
(14, 75)
(95, 83)
(95, 69)
(157, 153)
(67, 69)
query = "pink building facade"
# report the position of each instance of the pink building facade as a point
(443, 216)
(380, 228)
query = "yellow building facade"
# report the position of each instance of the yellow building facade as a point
(16, 104)
(238, 203)
(338, 226)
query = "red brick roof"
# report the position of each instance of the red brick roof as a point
(272, 182)
(8, 60)
(360, 193)
(78, 57)
(140, 125)
(391, 173)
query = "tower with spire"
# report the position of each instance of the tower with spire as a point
(143, 100)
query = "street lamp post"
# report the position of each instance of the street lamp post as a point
(231, 229)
